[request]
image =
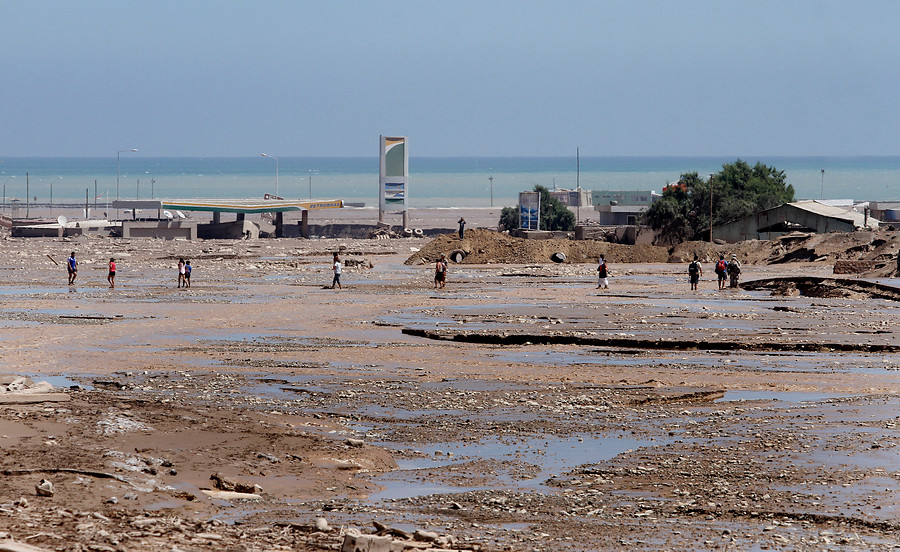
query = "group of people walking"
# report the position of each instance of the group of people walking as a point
(725, 270)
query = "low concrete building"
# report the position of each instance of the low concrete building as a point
(165, 229)
(800, 216)
(885, 211)
(621, 207)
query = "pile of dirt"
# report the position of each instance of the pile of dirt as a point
(490, 247)
(879, 248)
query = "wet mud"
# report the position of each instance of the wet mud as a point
(644, 418)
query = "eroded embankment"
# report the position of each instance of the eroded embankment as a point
(565, 338)
(811, 286)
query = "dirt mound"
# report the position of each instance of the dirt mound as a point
(490, 247)
(878, 248)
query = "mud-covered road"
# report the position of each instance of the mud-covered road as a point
(517, 409)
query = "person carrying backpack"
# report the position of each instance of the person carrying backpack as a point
(694, 273)
(734, 271)
(721, 271)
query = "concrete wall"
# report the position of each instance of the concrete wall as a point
(237, 230)
(352, 231)
(166, 229)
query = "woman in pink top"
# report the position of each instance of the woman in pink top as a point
(111, 277)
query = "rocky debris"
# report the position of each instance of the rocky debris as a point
(44, 488)
(852, 267)
(388, 539)
(22, 390)
(877, 248)
(482, 246)
(224, 483)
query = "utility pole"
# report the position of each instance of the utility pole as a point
(491, 178)
(823, 185)
(578, 184)
(710, 207)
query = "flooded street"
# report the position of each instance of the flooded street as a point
(517, 409)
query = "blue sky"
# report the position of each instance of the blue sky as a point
(506, 78)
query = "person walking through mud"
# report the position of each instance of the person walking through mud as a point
(187, 274)
(440, 272)
(180, 272)
(111, 277)
(336, 268)
(721, 270)
(72, 268)
(734, 271)
(694, 273)
(602, 274)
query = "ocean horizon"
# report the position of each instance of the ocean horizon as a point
(434, 181)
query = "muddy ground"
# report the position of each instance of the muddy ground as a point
(519, 408)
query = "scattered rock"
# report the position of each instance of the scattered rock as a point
(44, 488)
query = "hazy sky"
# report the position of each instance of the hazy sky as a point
(487, 77)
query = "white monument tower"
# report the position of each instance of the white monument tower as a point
(393, 181)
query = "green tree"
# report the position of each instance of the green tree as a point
(683, 212)
(509, 218)
(554, 214)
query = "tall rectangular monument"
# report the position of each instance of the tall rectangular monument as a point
(393, 189)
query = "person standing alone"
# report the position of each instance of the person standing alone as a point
(336, 268)
(602, 274)
(462, 227)
(440, 272)
(72, 268)
(111, 277)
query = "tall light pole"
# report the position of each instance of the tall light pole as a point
(276, 170)
(51, 193)
(710, 207)
(823, 185)
(152, 182)
(4, 190)
(118, 153)
(491, 179)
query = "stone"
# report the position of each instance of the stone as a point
(12, 546)
(322, 525)
(370, 543)
(426, 536)
(44, 488)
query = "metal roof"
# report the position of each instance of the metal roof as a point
(819, 208)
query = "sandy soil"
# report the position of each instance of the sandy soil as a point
(517, 409)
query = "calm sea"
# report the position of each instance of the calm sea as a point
(434, 182)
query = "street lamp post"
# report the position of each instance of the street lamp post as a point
(823, 185)
(152, 182)
(491, 179)
(118, 153)
(276, 171)
(710, 207)
(51, 193)
(4, 190)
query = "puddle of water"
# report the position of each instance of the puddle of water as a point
(783, 396)
(553, 455)
(63, 382)
(32, 290)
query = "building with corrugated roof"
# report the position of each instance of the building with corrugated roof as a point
(800, 216)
